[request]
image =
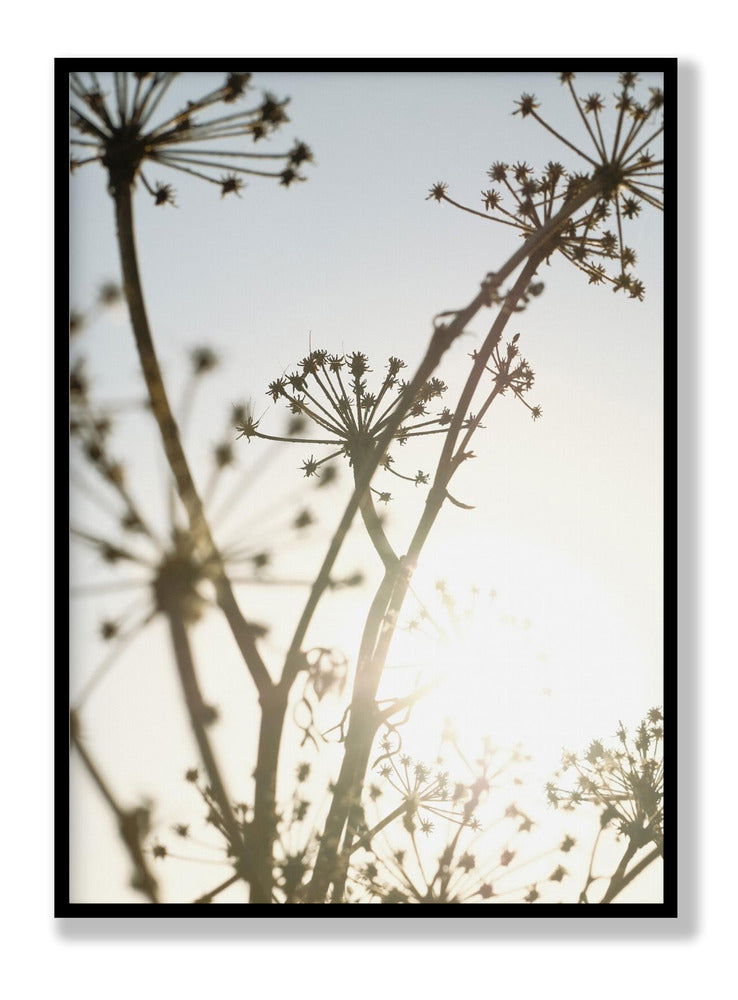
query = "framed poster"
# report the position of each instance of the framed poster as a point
(370, 573)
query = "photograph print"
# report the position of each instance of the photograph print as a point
(364, 385)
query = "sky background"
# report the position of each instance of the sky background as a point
(567, 521)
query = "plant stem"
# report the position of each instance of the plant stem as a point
(380, 626)
(442, 338)
(198, 712)
(273, 705)
(264, 826)
(376, 532)
(129, 820)
(208, 897)
(271, 727)
(621, 879)
(170, 433)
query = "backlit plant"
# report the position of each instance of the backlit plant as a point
(339, 408)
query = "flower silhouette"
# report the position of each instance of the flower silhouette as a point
(117, 131)
(626, 781)
(172, 574)
(331, 392)
(467, 868)
(620, 173)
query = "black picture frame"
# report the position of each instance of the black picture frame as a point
(63, 907)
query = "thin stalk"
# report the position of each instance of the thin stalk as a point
(170, 433)
(376, 532)
(443, 337)
(208, 897)
(620, 880)
(384, 614)
(129, 825)
(198, 711)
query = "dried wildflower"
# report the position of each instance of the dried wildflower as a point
(109, 630)
(177, 580)
(438, 191)
(78, 384)
(76, 322)
(223, 454)
(424, 791)
(463, 869)
(526, 105)
(622, 176)
(164, 194)
(511, 371)
(626, 782)
(117, 130)
(230, 184)
(303, 520)
(303, 771)
(173, 574)
(331, 393)
(310, 466)
(260, 559)
(203, 360)
(109, 293)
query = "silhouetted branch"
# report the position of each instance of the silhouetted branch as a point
(132, 823)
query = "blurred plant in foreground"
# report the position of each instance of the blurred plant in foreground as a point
(436, 846)
(165, 573)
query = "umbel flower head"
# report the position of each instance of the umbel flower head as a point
(331, 392)
(295, 845)
(459, 860)
(510, 370)
(166, 573)
(117, 130)
(626, 781)
(620, 172)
